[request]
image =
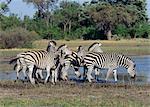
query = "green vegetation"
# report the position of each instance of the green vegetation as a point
(17, 38)
(128, 47)
(72, 94)
(103, 19)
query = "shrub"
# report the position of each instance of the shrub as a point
(17, 38)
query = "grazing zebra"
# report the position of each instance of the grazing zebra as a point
(108, 60)
(96, 47)
(21, 65)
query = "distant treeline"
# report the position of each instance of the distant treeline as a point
(55, 19)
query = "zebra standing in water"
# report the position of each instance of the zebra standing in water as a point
(95, 47)
(76, 58)
(108, 60)
(42, 60)
(21, 65)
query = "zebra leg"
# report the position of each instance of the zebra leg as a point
(18, 68)
(53, 76)
(115, 74)
(85, 72)
(47, 75)
(64, 71)
(110, 70)
(24, 68)
(32, 80)
(89, 76)
(39, 71)
(56, 72)
(97, 73)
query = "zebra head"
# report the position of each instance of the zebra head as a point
(131, 70)
(51, 46)
(64, 50)
(95, 47)
(80, 51)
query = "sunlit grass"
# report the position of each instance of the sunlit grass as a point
(131, 47)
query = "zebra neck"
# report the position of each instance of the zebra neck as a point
(123, 62)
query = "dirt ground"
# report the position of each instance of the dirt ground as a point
(65, 94)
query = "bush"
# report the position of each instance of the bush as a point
(17, 38)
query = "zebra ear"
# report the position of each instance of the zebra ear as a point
(77, 47)
(100, 44)
(66, 46)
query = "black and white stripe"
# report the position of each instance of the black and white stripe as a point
(21, 65)
(41, 60)
(107, 60)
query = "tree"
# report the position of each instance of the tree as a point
(107, 16)
(67, 16)
(9, 22)
(44, 7)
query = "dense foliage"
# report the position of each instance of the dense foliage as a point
(17, 37)
(98, 19)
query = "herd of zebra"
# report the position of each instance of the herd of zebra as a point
(57, 61)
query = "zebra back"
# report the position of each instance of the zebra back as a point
(106, 60)
(40, 58)
(73, 59)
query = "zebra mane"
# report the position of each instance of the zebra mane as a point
(92, 45)
(61, 46)
(127, 58)
(52, 42)
(79, 48)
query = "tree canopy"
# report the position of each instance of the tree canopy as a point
(98, 19)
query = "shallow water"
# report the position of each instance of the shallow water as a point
(142, 68)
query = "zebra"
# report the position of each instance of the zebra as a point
(39, 59)
(21, 65)
(110, 61)
(76, 58)
(96, 47)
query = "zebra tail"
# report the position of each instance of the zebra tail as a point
(13, 60)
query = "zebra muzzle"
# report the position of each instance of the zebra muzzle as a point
(133, 77)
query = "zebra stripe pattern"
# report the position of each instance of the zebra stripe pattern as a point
(21, 65)
(42, 60)
(108, 60)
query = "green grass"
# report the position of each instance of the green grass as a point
(73, 95)
(77, 102)
(129, 47)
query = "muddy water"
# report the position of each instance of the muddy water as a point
(142, 68)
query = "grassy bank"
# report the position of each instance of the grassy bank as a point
(73, 95)
(128, 47)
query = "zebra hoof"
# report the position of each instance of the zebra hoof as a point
(25, 78)
(53, 83)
